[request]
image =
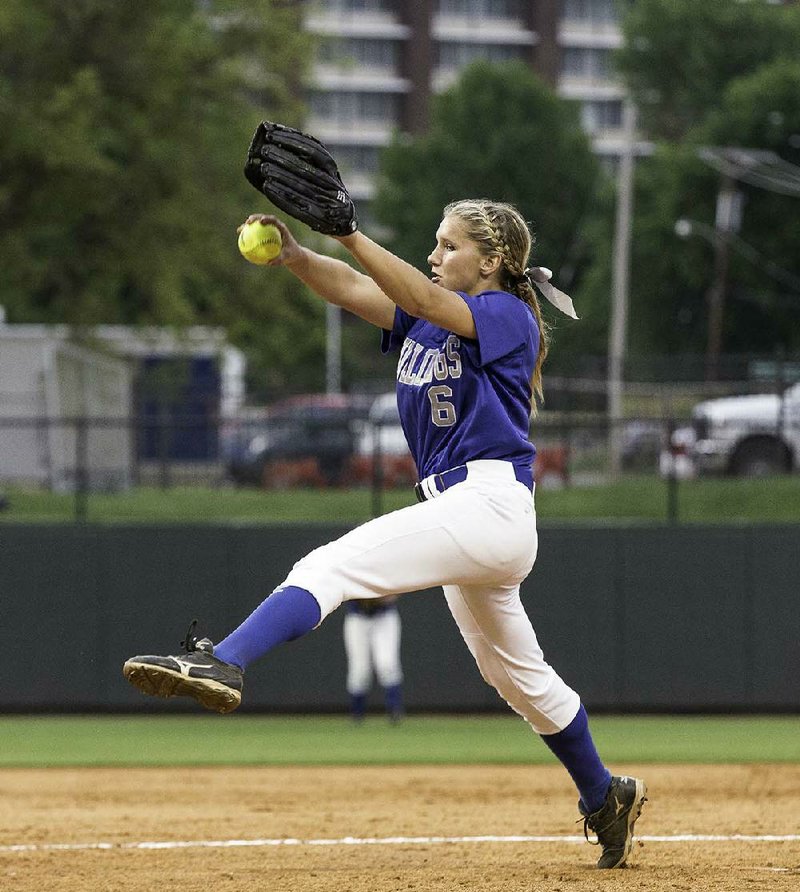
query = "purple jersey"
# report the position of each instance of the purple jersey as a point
(460, 399)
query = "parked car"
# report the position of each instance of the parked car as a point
(382, 430)
(341, 440)
(380, 437)
(642, 443)
(323, 440)
(750, 435)
(301, 441)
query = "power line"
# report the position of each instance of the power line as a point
(686, 227)
(756, 167)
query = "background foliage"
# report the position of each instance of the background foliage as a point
(500, 133)
(709, 74)
(680, 56)
(125, 127)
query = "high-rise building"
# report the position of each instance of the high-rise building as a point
(380, 61)
(588, 33)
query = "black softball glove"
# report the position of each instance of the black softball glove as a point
(298, 174)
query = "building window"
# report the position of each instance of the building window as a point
(597, 11)
(457, 55)
(358, 159)
(371, 53)
(599, 116)
(344, 6)
(586, 63)
(347, 106)
(483, 9)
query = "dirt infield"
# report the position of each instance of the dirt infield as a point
(395, 829)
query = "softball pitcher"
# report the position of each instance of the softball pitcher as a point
(471, 342)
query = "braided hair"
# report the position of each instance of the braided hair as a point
(499, 228)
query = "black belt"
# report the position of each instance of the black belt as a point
(449, 478)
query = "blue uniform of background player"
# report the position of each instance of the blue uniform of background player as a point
(471, 342)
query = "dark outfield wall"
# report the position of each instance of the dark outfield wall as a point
(656, 618)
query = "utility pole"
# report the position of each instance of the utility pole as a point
(617, 336)
(757, 167)
(728, 220)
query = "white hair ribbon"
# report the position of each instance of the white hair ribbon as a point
(540, 277)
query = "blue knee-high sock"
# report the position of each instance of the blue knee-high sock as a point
(358, 706)
(285, 615)
(575, 749)
(393, 700)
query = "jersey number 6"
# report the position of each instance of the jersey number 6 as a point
(443, 413)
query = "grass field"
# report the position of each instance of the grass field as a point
(635, 498)
(36, 741)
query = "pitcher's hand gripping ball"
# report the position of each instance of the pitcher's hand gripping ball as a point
(259, 243)
(298, 175)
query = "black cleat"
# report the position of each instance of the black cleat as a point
(216, 685)
(613, 823)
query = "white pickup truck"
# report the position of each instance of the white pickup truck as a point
(748, 435)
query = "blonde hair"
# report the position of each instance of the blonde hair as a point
(499, 228)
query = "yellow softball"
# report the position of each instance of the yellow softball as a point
(259, 242)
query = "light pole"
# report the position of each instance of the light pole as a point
(728, 220)
(618, 328)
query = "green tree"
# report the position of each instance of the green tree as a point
(670, 276)
(498, 133)
(125, 127)
(679, 55)
(762, 111)
(711, 74)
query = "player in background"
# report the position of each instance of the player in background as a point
(371, 631)
(471, 342)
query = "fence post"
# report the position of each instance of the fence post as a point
(81, 469)
(780, 389)
(163, 447)
(672, 476)
(377, 470)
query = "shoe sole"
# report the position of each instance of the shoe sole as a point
(633, 817)
(158, 681)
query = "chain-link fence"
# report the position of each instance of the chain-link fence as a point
(336, 441)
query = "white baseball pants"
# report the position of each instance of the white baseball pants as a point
(478, 540)
(372, 642)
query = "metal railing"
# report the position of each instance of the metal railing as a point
(81, 455)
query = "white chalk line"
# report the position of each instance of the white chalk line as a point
(374, 841)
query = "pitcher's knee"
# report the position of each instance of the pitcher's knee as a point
(323, 583)
(539, 695)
